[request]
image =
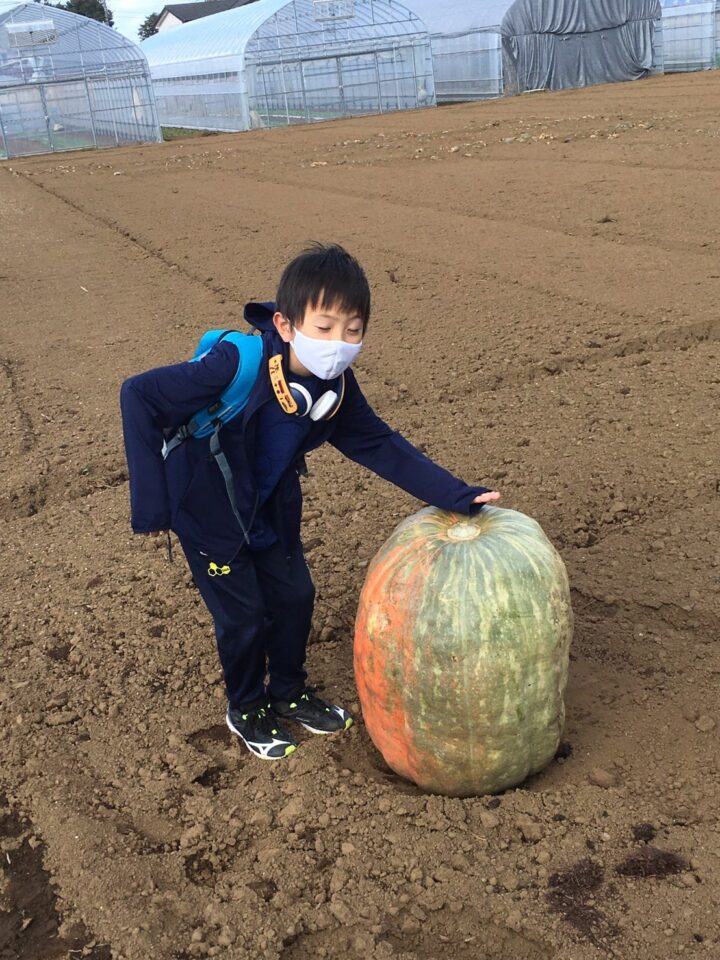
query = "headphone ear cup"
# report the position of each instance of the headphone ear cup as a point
(302, 398)
(324, 405)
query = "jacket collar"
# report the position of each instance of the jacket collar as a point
(259, 315)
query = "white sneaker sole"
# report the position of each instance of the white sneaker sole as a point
(348, 724)
(257, 749)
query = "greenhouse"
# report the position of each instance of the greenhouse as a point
(466, 46)
(67, 83)
(558, 44)
(278, 62)
(691, 35)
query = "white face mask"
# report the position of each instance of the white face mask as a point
(325, 358)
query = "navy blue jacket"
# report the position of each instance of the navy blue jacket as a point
(187, 493)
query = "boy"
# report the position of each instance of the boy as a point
(238, 518)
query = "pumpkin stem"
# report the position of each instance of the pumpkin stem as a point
(463, 531)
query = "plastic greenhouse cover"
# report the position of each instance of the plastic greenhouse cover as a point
(560, 44)
(220, 35)
(460, 16)
(228, 34)
(684, 8)
(80, 46)
(570, 16)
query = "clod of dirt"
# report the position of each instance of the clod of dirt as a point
(531, 830)
(705, 724)
(198, 869)
(59, 652)
(602, 778)
(652, 862)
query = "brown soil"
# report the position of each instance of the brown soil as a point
(547, 279)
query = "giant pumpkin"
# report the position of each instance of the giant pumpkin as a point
(461, 650)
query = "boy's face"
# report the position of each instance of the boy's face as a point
(323, 323)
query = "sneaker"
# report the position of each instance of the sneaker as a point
(261, 733)
(316, 715)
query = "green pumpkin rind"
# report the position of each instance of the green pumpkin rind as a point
(477, 702)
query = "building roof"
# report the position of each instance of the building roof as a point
(185, 12)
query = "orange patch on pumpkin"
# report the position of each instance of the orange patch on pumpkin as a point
(383, 640)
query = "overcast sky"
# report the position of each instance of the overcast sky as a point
(129, 14)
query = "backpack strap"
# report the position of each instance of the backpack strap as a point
(208, 421)
(227, 475)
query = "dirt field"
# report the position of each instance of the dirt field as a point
(546, 320)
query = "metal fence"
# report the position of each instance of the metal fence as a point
(75, 115)
(325, 88)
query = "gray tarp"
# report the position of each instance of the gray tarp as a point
(556, 44)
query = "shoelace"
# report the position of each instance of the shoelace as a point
(265, 721)
(308, 695)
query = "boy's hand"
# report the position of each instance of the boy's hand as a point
(155, 533)
(491, 497)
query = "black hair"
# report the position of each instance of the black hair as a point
(323, 276)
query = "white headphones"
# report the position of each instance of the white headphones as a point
(295, 398)
(323, 407)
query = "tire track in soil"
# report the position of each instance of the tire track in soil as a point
(460, 934)
(680, 336)
(363, 200)
(30, 922)
(47, 485)
(31, 497)
(345, 195)
(631, 242)
(28, 436)
(127, 235)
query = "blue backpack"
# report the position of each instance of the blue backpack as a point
(209, 421)
(234, 397)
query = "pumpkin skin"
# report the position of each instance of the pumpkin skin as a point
(461, 652)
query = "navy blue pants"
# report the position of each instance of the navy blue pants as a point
(261, 605)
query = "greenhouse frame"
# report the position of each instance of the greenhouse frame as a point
(69, 83)
(282, 62)
(691, 35)
(466, 46)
